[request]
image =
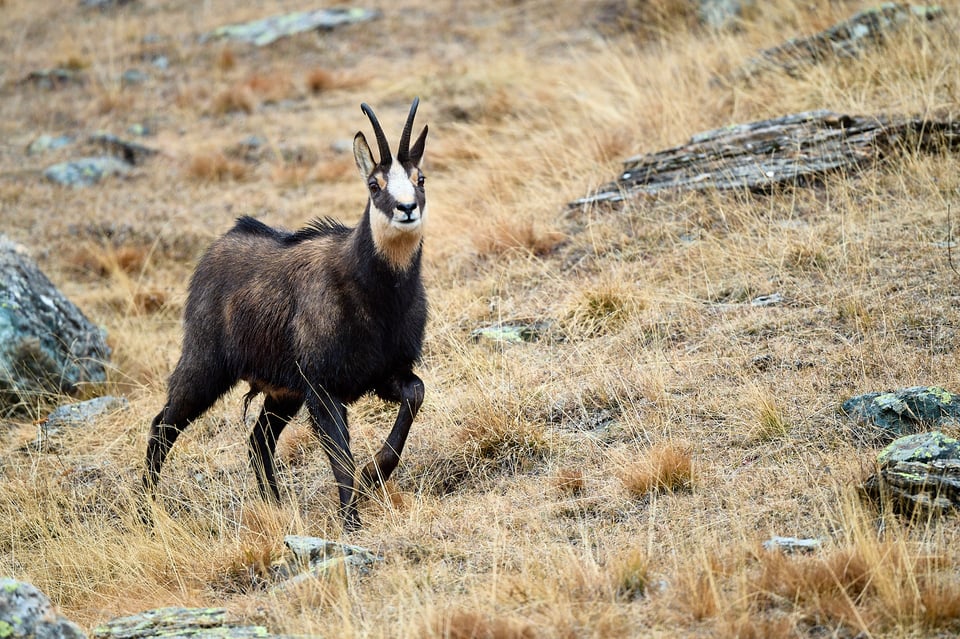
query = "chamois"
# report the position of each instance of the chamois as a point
(320, 316)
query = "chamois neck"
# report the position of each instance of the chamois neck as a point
(396, 249)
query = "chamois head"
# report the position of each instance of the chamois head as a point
(397, 199)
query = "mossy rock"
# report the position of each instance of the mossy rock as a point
(883, 417)
(921, 448)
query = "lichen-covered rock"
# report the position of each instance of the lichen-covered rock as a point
(516, 332)
(882, 417)
(312, 558)
(47, 345)
(174, 623)
(81, 413)
(268, 30)
(845, 39)
(26, 613)
(86, 171)
(918, 472)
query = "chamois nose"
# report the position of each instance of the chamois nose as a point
(407, 208)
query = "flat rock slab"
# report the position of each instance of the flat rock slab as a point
(789, 150)
(516, 332)
(314, 558)
(86, 171)
(845, 39)
(882, 417)
(918, 473)
(174, 623)
(268, 30)
(81, 413)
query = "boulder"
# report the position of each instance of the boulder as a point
(86, 171)
(81, 413)
(47, 345)
(846, 39)
(879, 418)
(268, 30)
(311, 558)
(794, 149)
(918, 473)
(26, 613)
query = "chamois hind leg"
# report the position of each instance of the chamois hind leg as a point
(329, 419)
(190, 393)
(408, 390)
(276, 413)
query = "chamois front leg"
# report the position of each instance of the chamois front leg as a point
(329, 419)
(408, 390)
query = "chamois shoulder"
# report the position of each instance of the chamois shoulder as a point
(317, 227)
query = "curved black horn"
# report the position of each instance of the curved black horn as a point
(385, 156)
(403, 151)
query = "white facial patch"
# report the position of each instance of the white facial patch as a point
(400, 186)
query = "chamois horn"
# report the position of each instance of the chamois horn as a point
(385, 156)
(403, 151)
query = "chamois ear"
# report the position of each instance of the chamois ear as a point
(363, 156)
(416, 153)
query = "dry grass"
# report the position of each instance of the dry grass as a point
(613, 479)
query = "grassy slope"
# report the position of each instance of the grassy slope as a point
(546, 521)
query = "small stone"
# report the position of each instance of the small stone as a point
(82, 413)
(86, 171)
(46, 143)
(133, 77)
(792, 544)
(514, 332)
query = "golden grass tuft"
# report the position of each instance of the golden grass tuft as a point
(214, 166)
(470, 624)
(630, 574)
(667, 466)
(237, 99)
(226, 59)
(569, 481)
(523, 235)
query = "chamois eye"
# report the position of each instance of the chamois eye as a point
(420, 180)
(374, 185)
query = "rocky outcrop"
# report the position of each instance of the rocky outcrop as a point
(918, 473)
(758, 156)
(47, 345)
(26, 613)
(879, 418)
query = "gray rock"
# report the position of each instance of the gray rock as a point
(269, 30)
(47, 345)
(86, 171)
(26, 613)
(792, 545)
(81, 413)
(761, 156)
(133, 77)
(312, 558)
(131, 152)
(516, 332)
(53, 78)
(882, 417)
(177, 623)
(45, 143)
(918, 473)
(846, 39)
(720, 14)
